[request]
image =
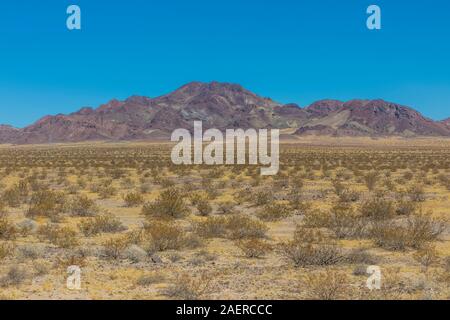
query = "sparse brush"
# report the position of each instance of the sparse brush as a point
(242, 226)
(12, 197)
(311, 248)
(46, 203)
(254, 248)
(104, 223)
(427, 256)
(326, 285)
(133, 199)
(8, 230)
(164, 236)
(274, 212)
(63, 237)
(114, 247)
(262, 198)
(6, 249)
(377, 208)
(416, 193)
(14, 277)
(203, 207)
(82, 206)
(170, 204)
(188, 287)
(346, 223)
(371, 179)
(149, 279)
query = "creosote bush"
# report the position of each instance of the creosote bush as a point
(254, 248)
(46, 203)
(188, 287)
(82, 206)
(8, 230)
(104, 223)
(164, 235)
(133, 199)
(63, 237)
(170, 204)
(326, 285)
(274, 212)
(377, 208)
(311, 248)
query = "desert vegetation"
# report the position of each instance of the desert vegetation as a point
(142, 228)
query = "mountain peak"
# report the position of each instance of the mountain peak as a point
(224, 105)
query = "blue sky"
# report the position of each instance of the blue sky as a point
(289, 50)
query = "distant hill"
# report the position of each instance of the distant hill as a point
(223, 105)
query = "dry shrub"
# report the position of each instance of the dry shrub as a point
(346, 223)
(231, 227)
(15, 276)
(326, 285)
(317, 219)
(8, 230)
(12, 197)
(242, 226)
(106, 191)
(371, 179)
(423, 228)
(211, 227)
(46, 203)
(41, 267)
(274, 212)
(149, 279)
(68, 259)
(311, 248)
(133, 199)
(63, 237)
(377, 208)
(405, 207)
(360, 256)
(31, 251)
(203, 207)
(447, 264)
(338, 186)
(82, 206)
(427, 256)
(262, 198)
(348, 195)
(389, 236)
(113, 248)
(101, 224)
(26, 227)
(187, 287)
(419, 230)
(6, 249)
(170, 204)
(164, 236)
(254, 248)
(416, 193)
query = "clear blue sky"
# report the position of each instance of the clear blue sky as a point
(290, 50)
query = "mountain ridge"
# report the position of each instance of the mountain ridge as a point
(222, 106)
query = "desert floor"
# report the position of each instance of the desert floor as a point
(141, 228)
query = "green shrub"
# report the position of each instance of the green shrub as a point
(170, 204)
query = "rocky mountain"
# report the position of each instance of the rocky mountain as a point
(223, 105)
(369, 118)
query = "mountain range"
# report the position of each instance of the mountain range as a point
(222, 106)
